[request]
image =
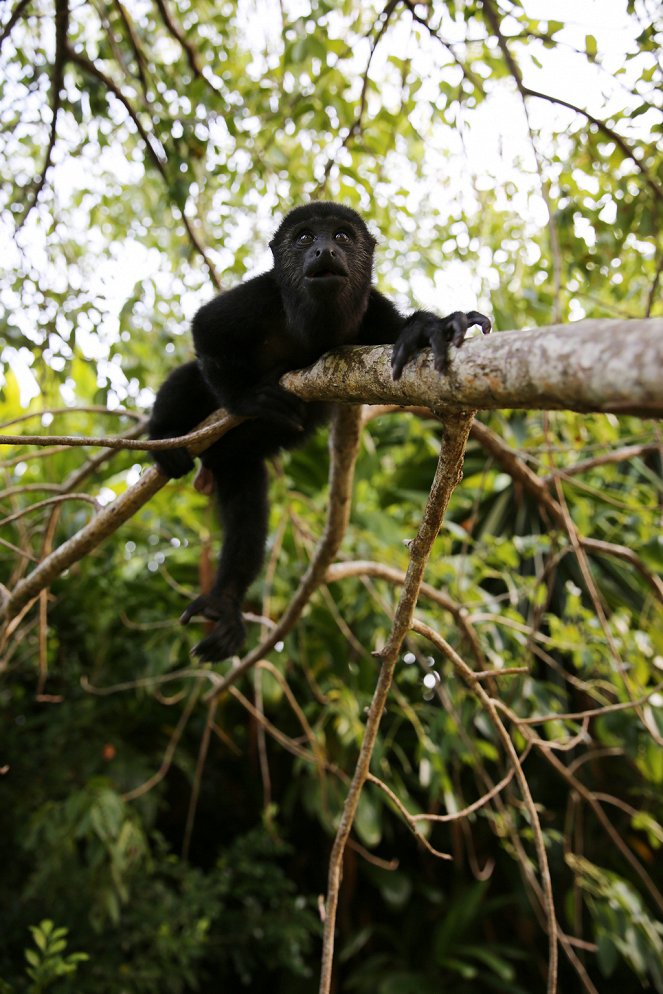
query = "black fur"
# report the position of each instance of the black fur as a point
(318, 295)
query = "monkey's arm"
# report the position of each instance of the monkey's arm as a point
(382, 322)
(182, 402)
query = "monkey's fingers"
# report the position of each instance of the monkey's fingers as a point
(474, 317)
(407, 345)
(424, 328)
(440, 346)
(456, 325)
(451, 330)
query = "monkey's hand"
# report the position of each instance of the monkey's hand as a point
(173, 462)
(270, 402)
(423, 329)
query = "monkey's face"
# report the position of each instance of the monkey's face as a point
(325, 252)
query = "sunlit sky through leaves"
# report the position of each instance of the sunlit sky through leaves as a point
(494, 140)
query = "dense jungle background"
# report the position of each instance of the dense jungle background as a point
(154, 841)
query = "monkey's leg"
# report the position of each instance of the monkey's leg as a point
(183, 401)
(241, 489)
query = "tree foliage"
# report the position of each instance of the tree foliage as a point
(174, 836)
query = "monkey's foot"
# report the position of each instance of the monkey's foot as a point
(173, 462)
(226, 639)
(228, 635)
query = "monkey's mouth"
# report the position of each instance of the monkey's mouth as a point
(325, 278)
(325, 275)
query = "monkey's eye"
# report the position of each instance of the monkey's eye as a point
(342, 236)
(305, 238)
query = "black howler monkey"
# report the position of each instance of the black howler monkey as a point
(318, 295)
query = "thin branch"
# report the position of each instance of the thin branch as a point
(476, 81)
(601, 613)
(617, 455)
(525, 91)
(607, 131)
(133, 41)
(447, 476)
(104, 524)
(190, 52)
(90, 68)
(48, 502)
(600, 548)
(119, 412)
(588, 796)
(356, 126)
(171, 749)
(590, 712)
(156, 156)
(57, 84)
(186, 673)
(407, 817)
(654, 291)
(536, 485)
(364, 567)
(199, 434)
(287, 743)
(268, 667)
(489, 706)
(198, 778)
(456, 815)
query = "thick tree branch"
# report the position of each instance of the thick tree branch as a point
(590, 366)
